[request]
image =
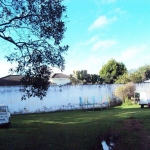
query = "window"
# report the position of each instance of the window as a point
(3, 108)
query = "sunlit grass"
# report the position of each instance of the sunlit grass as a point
(68, 129)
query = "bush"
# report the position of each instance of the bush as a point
(115, 102)
(125, 91)
(128, 102)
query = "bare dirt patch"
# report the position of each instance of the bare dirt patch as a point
(131, 136)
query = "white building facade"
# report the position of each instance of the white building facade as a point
(60, 79)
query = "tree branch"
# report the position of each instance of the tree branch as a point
(17, 18)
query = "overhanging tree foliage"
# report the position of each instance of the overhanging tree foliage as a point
(35, 29)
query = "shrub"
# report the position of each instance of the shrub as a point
(125, 91)
(119, 92)
(128, 102)
(115, 102)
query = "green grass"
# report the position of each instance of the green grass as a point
(72, 130)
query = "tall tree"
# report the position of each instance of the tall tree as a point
(85, 78)
(112, 70)
(123, 79)
(80, 75)
(95, 79)
(135, 77)
(35, 29)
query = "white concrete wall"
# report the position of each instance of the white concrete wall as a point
(59, 98)
(143, 87)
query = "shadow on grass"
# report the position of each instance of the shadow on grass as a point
(70, 129)
(80, 117)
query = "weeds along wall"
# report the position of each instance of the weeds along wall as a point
(59, 98)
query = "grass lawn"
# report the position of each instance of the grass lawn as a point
(79, 130)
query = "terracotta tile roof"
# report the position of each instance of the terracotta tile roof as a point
(11, 80)
(16, 79)
(60, 75)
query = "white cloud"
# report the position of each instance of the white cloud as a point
(119, 11)
(90, 41)
(111, 1)
(4, 67)
(133, 57)
(108, 1)
(132, 52)
(56, 70)
(105, 44)
(92, 64)
(104, 1)
(95, 63)
(101, 22)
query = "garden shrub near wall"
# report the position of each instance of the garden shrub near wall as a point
(115, 102)
(125, 91)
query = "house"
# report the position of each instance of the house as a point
(60, 78)
(56, 78)
(11, 80)
(147, 81)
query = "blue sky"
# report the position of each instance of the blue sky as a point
(100, 30)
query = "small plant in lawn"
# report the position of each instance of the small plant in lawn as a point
(128, 102)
